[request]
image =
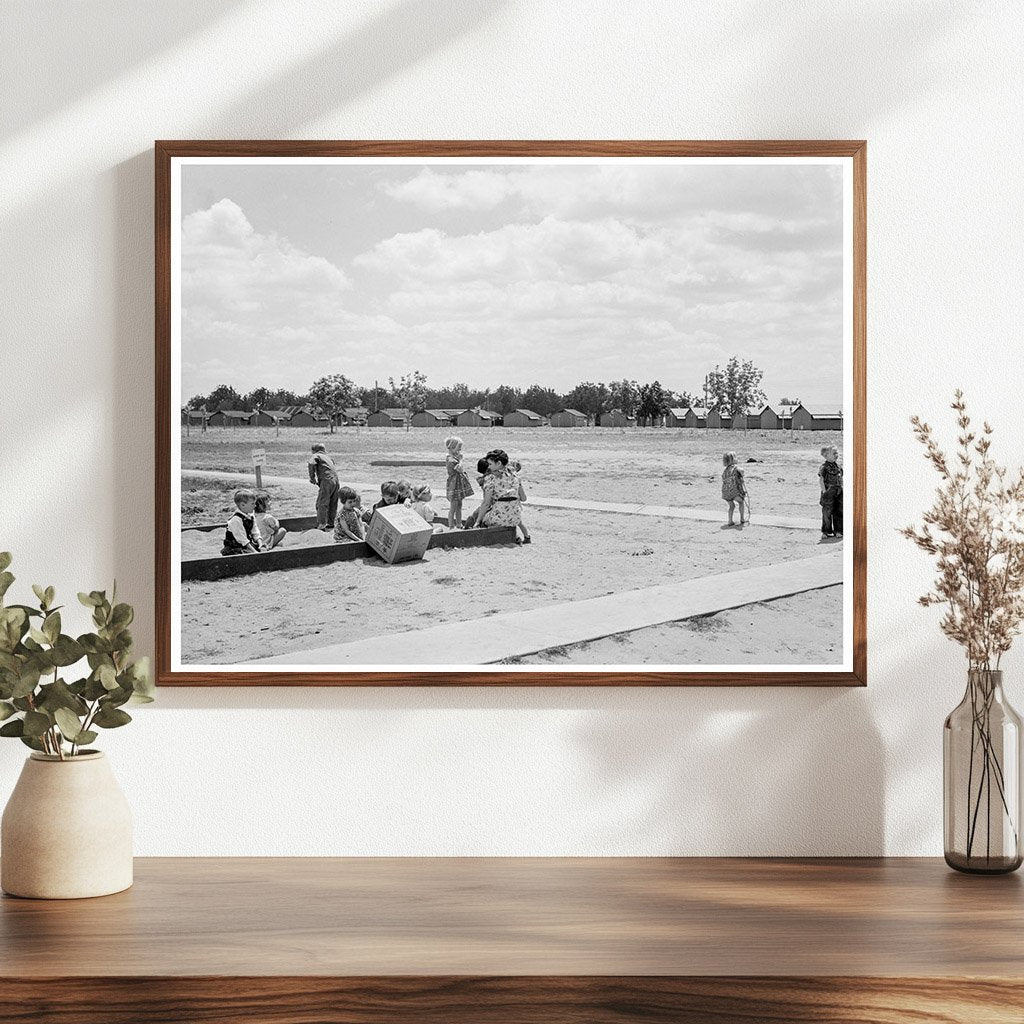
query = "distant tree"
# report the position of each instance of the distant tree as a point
(588, 398)
(260, 398)
(684, 400)
(789, 401)
(410, 393)
(542, 400)
(373, 398)
(223, 396)
(283, 397)
(737, 388)
(196, 402)
(653, 404)
(625, 395)
(505, 399)
(332, 394)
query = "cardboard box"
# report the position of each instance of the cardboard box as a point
(398, 534)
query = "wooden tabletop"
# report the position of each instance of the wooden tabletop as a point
(325, 916)
(509, 918)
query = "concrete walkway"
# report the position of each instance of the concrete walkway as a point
(703, 515)
(514, 634)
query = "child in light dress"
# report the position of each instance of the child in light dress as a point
(422, 496)
(272, 533)
(348, 526)
(734, 489)
(458, 485)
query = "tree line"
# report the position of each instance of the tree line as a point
(736, 388)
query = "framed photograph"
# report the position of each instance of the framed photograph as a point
(527, 413)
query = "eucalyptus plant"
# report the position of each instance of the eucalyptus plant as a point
(45, 711)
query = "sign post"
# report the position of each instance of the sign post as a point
(259, 459)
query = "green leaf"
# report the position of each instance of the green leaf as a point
(38, 635)
(122, 616)
(6, 710)
(50, 595)
(6, 579)
(66, 651)
(22, 703)
(31, 741)
(89, 600)
(111, 718)
(13, 626)
(40, 592)
(94, 645)
(5, 560)
(15, 728)
(51, 626)
(87, 736)
(107, 676)
(59, 695)
(94, 689)
(69, 724)
(27, 681)
(36, 723)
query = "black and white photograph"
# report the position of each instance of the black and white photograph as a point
(517, 414)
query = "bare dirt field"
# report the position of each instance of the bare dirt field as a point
(575, 554)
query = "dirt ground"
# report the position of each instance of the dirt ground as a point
(574, 554)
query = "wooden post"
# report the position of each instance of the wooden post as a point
(259, 457)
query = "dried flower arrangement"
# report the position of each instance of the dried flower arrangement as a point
(976, 529)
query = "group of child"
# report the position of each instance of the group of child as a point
(252, 527)
(830, 480)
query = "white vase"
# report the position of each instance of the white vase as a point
(66, 831)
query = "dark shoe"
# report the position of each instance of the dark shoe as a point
(526, 540)
(519, 541)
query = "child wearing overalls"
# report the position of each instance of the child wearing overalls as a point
(325, 476)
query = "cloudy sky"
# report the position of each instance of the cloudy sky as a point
(511, 273)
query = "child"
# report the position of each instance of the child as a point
(348, 526)
(271, 532)
(734, 489)
(241, 536)
(388, 496)
(404, 492)
(518, 467)
(481, 476)
(325, 476)
(458, 486)
(830, 478)
(422, 496)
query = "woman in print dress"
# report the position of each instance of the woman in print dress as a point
(501, 502)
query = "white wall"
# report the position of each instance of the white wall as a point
(936, 88)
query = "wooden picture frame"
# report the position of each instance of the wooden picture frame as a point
(848, 158)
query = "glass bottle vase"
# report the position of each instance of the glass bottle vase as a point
(981, 773)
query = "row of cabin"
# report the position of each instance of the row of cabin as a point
(787, 417)
(799, 417)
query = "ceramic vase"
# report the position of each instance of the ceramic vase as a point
(66, 831)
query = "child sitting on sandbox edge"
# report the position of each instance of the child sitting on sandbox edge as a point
(348, 526)
(241, 535)
(268, 527)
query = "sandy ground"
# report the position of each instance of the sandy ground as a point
(666, 466)
(803, 631)
(574, 555)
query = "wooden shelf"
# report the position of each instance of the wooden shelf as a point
(503, 940)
